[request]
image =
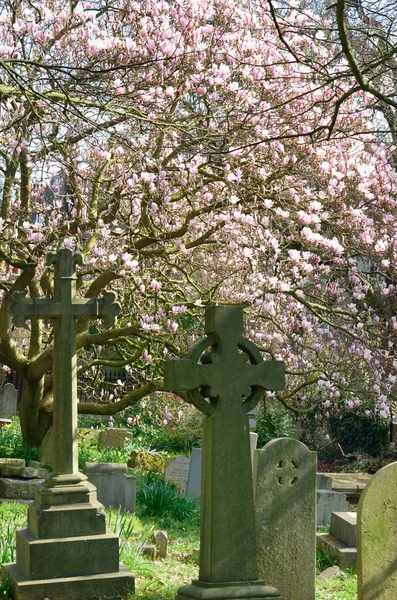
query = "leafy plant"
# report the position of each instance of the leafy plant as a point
(161, 499)
(273, 422)
(12, 444)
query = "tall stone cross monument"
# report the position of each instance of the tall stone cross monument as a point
(66, 551)
(225, 376)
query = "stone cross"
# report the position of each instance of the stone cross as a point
(225, 383)
(63, 309)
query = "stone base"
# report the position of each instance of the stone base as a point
(330, 546)
(90, 587)
(233, 590)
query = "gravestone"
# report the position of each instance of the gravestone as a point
(66, 551)
(114, 437)
(377, 537)
(194, 478)
(177, 472)
(115, 488)
(285, 514)
(8, 401)
(328, 501)
(224, 376)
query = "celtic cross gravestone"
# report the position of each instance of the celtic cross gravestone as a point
(66, 551)
(225, 375)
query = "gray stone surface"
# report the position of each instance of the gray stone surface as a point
(231, 371)
(8, 400)
(194, 478)
(177, 472)
(114, 437)
(285, 510)
(324, 482)
(329, 573)
(336, 550)
(344, 528)
(115, 489)
(19, 489)
(340, 543)
(327, 503)
(46, 451)
(377, 537)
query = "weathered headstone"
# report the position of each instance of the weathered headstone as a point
(115, 488)
(114, 437)
(285, 510)
(8, 400)
(66, 552)
(194, 478)
(377, 537)
(177, 472)
(225, 375)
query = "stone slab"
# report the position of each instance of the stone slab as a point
(115, 489)
(238, 590)
(89, 587)
(114, 437)
(324, 482)
(16, 489)
(337, 550)
(66, 520)
(377, 537)
(327, 503)
(12, 462)
(23, 472)
(67, 557)
(344, 528)
(285, 507)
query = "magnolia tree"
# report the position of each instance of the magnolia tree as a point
(191, 159)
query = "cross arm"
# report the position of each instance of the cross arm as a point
(106, 307)
(185, 374)
(23, 308)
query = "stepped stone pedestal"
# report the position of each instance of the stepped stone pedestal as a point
(66, 551)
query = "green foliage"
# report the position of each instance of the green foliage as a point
(91, 451)
(12, 444)
(323, 561)
(356, 432)
(12, 517)
(273, 422)
(161, 499)
(162, 422)
(6, 587)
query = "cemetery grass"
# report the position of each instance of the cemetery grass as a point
(156, 579)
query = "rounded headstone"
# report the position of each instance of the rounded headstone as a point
(377, 537)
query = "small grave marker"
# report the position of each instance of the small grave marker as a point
(177, 472)
(225, 375)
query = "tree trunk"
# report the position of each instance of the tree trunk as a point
(35, 416)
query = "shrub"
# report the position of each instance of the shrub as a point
(162, 422)
(12, 444)
(272, 423)
(357, 432)
(160, 499)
